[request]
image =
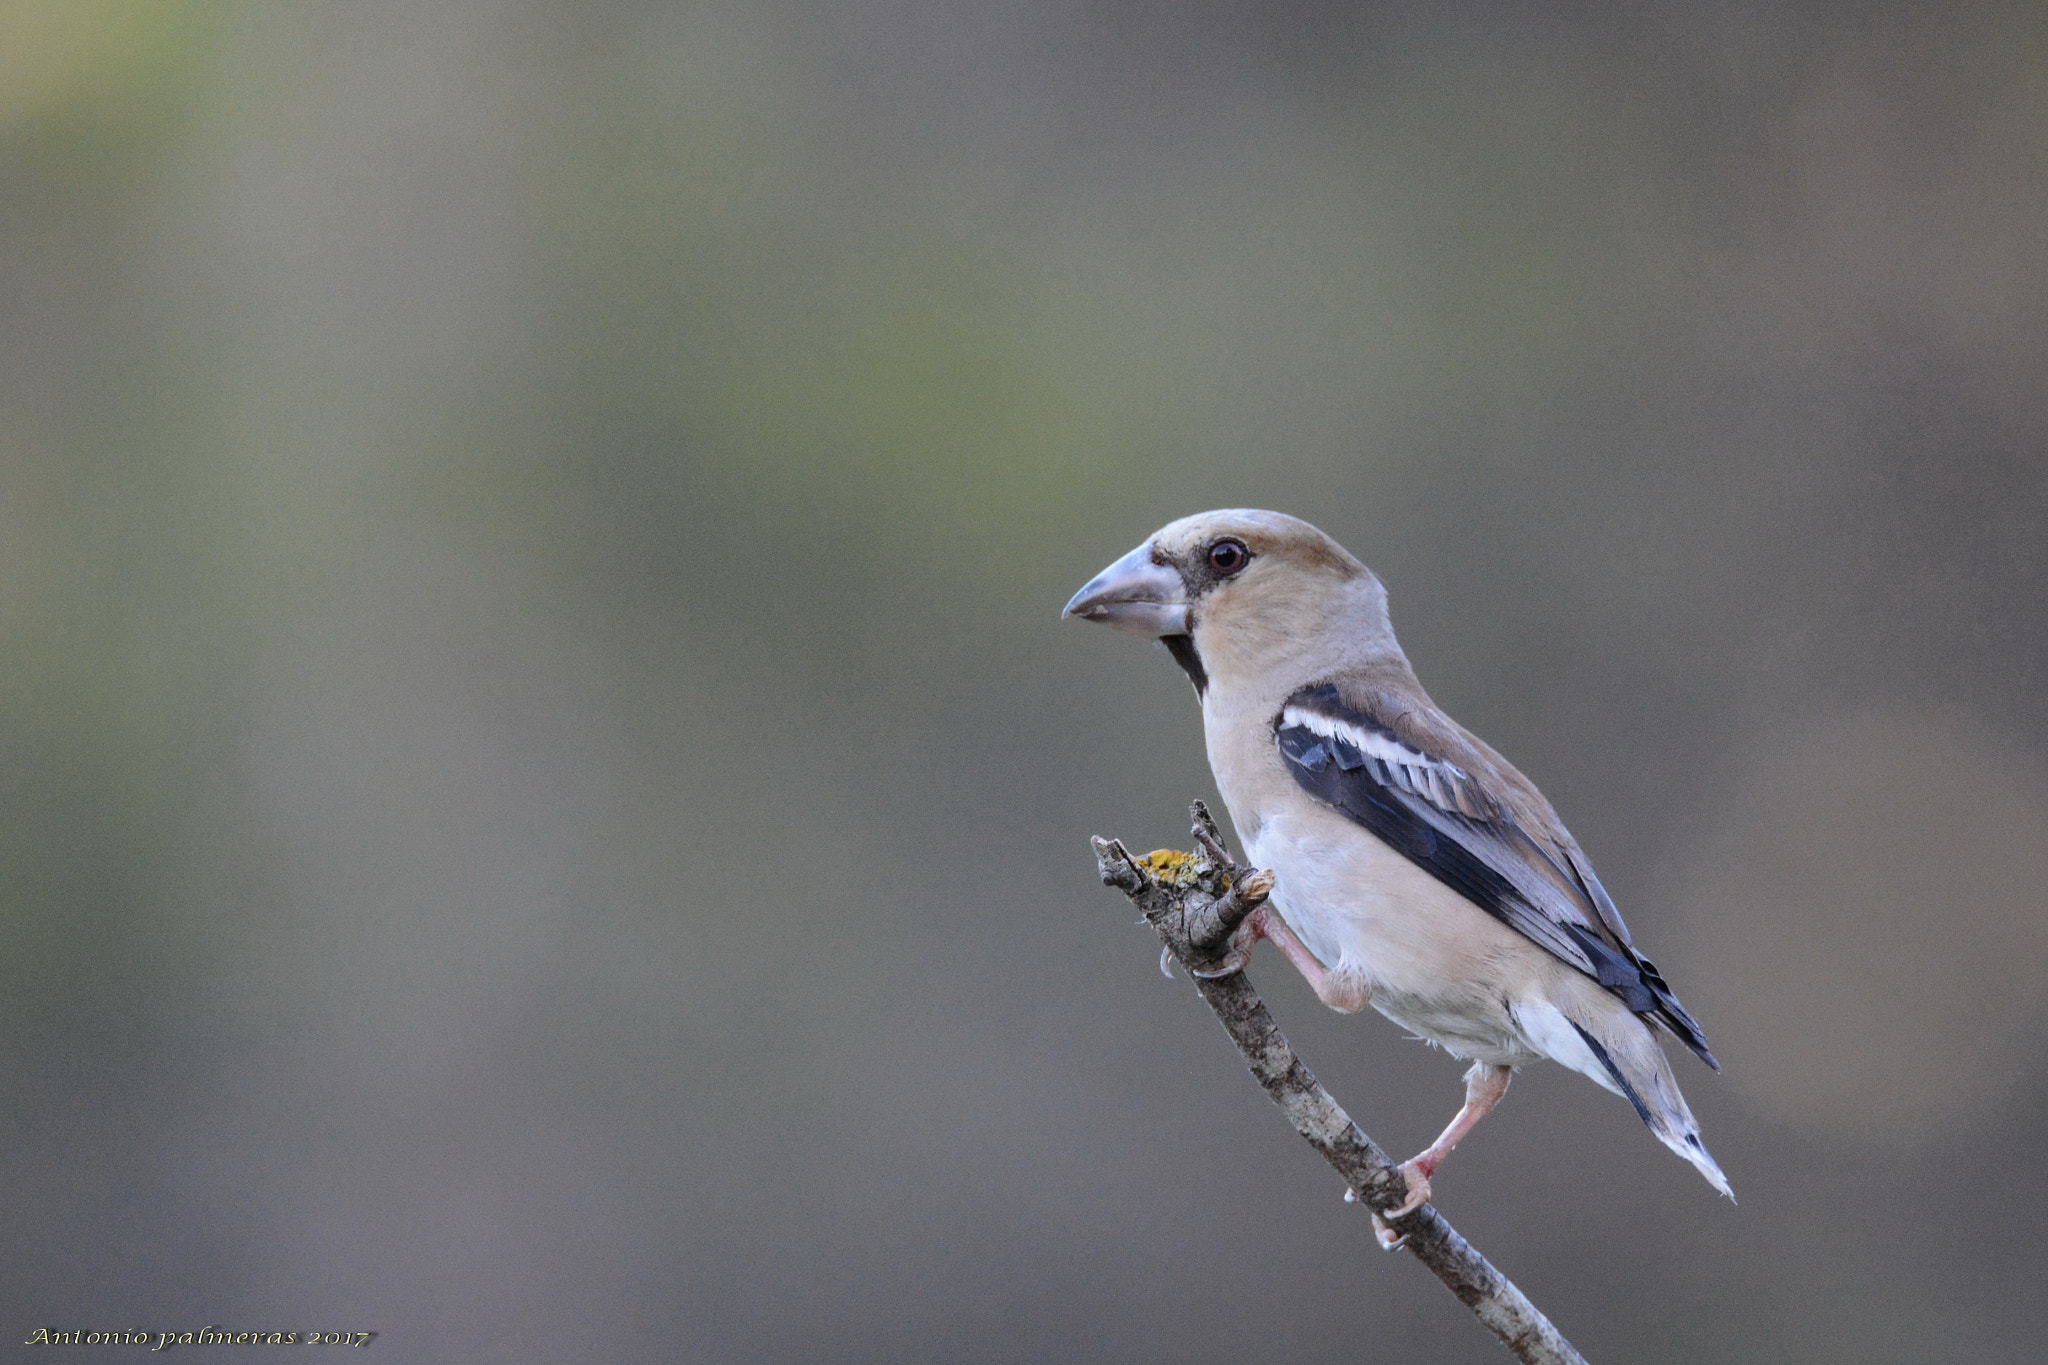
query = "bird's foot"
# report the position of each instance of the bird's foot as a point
(1237, 950)
(1416, 1173)
(1341, 992)
(1242, 905)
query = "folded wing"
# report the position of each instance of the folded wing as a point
(1463, 829)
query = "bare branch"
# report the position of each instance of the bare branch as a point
(1196, 902)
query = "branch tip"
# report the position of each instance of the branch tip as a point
(1117, 868)
(1208, 838)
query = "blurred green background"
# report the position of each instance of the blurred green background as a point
(544, 796)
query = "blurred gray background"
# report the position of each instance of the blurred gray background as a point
(545, 799)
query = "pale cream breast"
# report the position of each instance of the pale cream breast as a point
(1435, 962)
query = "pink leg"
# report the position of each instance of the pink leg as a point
(1485, 1083)
(1347, 997)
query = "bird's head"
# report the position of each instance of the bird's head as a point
(1240, 590)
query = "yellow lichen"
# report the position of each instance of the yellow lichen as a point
(1176, 868)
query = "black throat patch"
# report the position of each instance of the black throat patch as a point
(1182, 647)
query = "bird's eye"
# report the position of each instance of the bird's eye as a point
(1226, 557)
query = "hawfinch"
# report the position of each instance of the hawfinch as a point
(1418, 871)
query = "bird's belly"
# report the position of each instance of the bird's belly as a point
(1434, 962)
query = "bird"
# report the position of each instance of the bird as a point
(1417, 871)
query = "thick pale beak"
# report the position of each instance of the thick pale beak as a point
(1136, 595)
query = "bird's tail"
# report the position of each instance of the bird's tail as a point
(1621, 1053)
(1637, 1069)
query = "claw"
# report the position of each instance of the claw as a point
(1237, 952)
(1166, 963)
(1232, 961)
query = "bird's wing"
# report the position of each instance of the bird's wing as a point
(1464, 815)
